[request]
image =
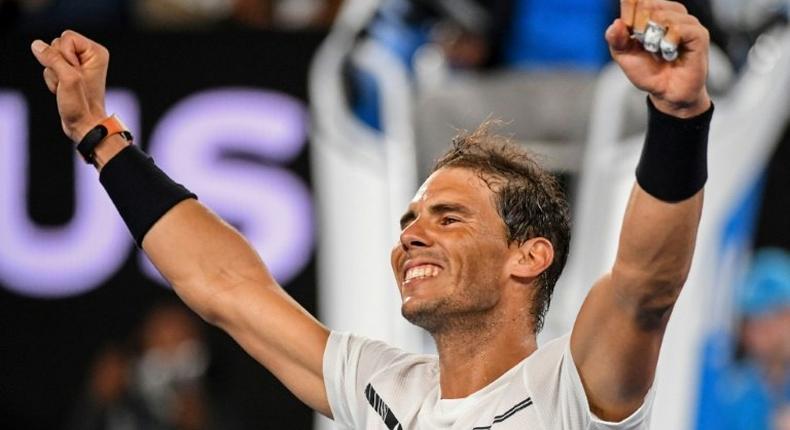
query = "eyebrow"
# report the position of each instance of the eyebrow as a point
(435, 209)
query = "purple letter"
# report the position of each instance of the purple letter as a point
(65, 260)
(269, 204)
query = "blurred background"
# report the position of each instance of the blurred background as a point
(308, 124)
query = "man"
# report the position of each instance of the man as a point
(481, 245)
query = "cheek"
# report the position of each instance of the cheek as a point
(395, 256)
(483, 266)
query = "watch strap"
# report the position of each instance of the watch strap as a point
(109, 126)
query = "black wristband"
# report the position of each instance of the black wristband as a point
(674, 161)
(141, 192)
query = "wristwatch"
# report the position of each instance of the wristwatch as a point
(109, 126)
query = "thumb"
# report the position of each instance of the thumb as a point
(51, 58)
(618, 37)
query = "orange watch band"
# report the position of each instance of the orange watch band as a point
(114, 125)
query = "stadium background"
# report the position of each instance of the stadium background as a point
(350, 114)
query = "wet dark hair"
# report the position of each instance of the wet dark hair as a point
(528, 198)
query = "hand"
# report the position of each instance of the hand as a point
(678, 87)
(75, 70)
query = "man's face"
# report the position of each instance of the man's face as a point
(451, 257)
(767, 338)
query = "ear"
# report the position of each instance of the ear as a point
(532, 258)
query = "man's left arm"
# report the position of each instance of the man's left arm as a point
(617, 335)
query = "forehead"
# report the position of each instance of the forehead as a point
(454, 184)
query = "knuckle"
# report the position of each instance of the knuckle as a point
(51, 56)
(676, 6)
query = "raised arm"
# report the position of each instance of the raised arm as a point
(209, 264)
(617, 335)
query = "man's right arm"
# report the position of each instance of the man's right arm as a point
(218, 274)
(209, 264)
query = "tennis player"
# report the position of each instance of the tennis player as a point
(481, 245)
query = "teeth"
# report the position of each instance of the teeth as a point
(424, 271)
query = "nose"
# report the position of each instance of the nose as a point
(415, 236)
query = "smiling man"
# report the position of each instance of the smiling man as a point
(481, 246)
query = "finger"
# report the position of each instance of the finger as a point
(669, 5)
(689, 35)
(617, 37)
(51, 80)
(669, 50)
(676, 23)
(62, 45)
(53, 59)
(669, 17)
(81, 47)
(669, 20)
(661, 12)
(670, 43)
(642, 15)
(627, 8)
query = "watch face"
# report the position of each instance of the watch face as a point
(90, 141)
(111, 125)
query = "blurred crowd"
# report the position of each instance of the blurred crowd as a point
(751, 387)
(166, 14)
(156, 380)
(473, 33)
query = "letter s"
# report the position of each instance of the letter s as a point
(227, 146)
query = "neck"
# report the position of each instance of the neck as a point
(474, 354)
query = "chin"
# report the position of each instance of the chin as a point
(422, 313)
(439, 315)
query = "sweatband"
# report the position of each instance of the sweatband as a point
(674, 161)
(141, 192)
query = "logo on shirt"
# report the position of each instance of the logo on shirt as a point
(382, 409)
(507, 414)
(392, 422)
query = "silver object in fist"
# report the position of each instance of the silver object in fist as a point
(654, 40)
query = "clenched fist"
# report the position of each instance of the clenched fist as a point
(75, 70)
(678, 87)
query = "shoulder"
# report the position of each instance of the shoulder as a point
(361, 361)
(370, 352)
(543, 371)
(553, 380)
(369, 380)
(548, 356)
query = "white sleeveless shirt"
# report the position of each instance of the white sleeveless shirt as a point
(373, 386)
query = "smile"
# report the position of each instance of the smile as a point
(421, 272)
